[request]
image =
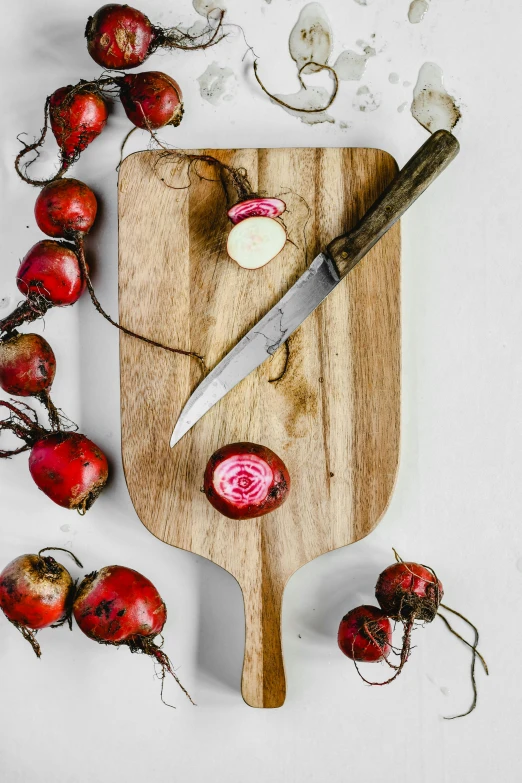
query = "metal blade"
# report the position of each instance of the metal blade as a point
(261, 342)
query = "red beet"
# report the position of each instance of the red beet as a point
(409, 591)
(36, 592)
(69, 468)
(365, 634)
(256, 207)
(119, 37)
(65, 208)
(78, 115)
(245, 480)
(27, 365)
(119, 606)
(50, 270)
(151, 99)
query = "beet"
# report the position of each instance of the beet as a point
(78, 115)
(151, 99)
(27, 365)
(69, 468)
(50, 271)
(65, 208)
(245, 480)
(256, 207)
(409, 591)
(365, 634)
(36, 592)
(119, 606)
(120, 37)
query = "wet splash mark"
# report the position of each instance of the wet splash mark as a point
(350, 66)
(433, 107)
(393, 78)
(418, 10)
(311, 38)
(217, 84)
(365, 100)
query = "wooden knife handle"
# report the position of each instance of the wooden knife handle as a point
(412, 180)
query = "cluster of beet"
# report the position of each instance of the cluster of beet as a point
(407, 593)
(115, 605)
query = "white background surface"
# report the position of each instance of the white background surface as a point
(89, 713)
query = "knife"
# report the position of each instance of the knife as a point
(319, 280)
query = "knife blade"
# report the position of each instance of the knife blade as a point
(322, 276)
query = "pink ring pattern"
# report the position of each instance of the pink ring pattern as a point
(244, 480)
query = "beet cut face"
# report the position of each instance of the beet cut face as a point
(246, 480)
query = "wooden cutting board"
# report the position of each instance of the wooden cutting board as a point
(333, 417)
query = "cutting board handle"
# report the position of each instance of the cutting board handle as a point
(263, 683)
(420, 171)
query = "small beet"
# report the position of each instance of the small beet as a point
(407, 591)
(27, 365)
(117, 605)
(365, 634)
(119, 37)
(245, 480)
(69, 468)
(50, 270)
(151, 99)
(36, 592)
(78, 115)
(256, 207)
(64, 208)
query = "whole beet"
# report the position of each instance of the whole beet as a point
(151, 99)
(27, 365)
(65, 208)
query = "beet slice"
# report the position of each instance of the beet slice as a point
(256, 207)
(255, 241)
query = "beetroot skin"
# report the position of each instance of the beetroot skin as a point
(117, 605)
(119, 37)
(409, 591)
(69, 468)
(51, 270)
(151, 99)
(65, 208)
(78, 115)
(365, 634)
(27, 365)
(246, 480)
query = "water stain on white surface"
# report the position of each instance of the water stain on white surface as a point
(401, 108)
(350, 66)
(205, 7)
(217, 84)
(406, 84)
(365, 100)
(311, 38)
(65, 528)
(433, 107)
(418, 10)
(4, 302)
(393, 78)
(519, 564)
(308, 98)
(364, 2)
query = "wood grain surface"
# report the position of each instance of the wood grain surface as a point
(334, 417)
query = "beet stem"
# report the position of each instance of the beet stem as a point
(172, 37)
(79, 241)
(31, 309)
(60, 549)
(322, 67)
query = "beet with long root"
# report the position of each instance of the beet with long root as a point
(68, 467)
(246, 480)
(77, 115)
(36, 592)
(120, 37)
(365, 634)
(119, 606)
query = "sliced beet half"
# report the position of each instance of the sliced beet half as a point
(255, 241)
(256, 207)
(246, 480)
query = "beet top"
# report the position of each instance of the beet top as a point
(408, 591)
